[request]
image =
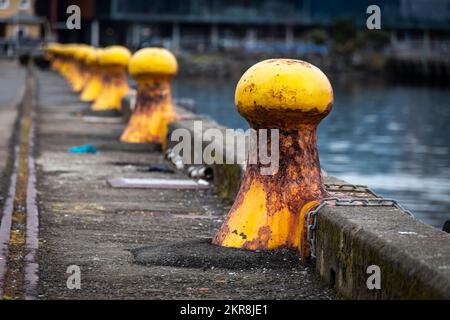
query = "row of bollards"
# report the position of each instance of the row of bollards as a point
(100, 75)
(289, 95)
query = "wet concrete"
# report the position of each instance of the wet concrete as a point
(413, 258)
(138, 244)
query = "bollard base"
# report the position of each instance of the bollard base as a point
(203, 254)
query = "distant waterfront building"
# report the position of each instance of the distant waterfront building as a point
(18, 23)
(204, 24)
(56, 14)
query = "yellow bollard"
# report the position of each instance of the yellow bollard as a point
(59, 58)
(54, 55)
(269, 211)
(113, 62)
(81, 72)
(152, 68)
(68, 64)
(51, 54)
(93, 86)
(70, 70)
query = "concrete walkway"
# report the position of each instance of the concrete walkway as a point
(137, 244)
(12, 82)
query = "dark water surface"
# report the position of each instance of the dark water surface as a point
(393, 138)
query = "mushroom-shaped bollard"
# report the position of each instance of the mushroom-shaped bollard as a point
(57, 59)
(71, 72)
(93, 86)
(51, 53)
(292, 96)
(67, 66)
(113, 62)
(80, 67)
(152, 68)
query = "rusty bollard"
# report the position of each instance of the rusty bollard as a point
(57, 57)
(81, 71)
(67, 65)
(61, 59)
(113, 62)
(72, 71)
(292, 96)
(152, 68)
(93, 85)
(51, 54)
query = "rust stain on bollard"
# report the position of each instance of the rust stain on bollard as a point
(152, 68)
(52, 53)
(113, 62)
(80, 74)
(64, 62)
(93, 85)
(292, 96)
(59, 56)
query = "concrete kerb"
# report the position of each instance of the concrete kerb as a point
(413, 258)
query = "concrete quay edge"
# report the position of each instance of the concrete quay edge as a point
(413, 258)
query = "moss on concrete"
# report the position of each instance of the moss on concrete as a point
(348, 249)
(227, 178)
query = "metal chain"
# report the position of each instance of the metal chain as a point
(351, 188)
(312, 216)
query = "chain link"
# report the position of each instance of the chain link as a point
(378, 201)
(351, 188)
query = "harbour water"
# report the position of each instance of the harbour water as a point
(394, 138)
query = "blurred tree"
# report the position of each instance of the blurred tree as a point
(317, 35)
(377, 39)
(344, 35)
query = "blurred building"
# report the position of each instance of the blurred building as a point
(19, 26)
(55, 12)
(211, 24)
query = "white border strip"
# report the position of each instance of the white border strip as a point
(5, 226)
(32, 236)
